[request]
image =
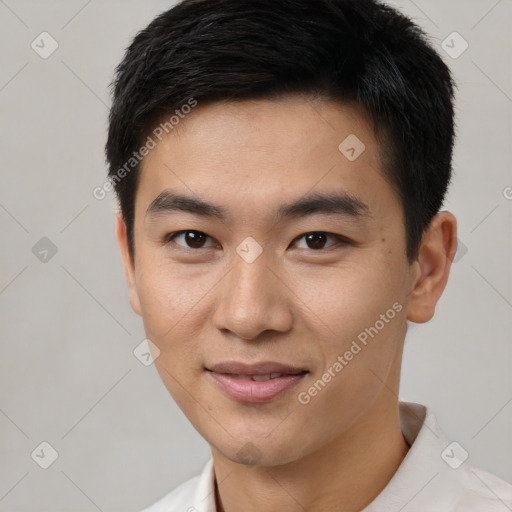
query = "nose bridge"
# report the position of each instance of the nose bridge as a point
(253, 300)
(251, 281)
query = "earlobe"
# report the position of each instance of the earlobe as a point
(128, 262)
(436, 253)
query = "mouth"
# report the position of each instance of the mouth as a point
(255, 383)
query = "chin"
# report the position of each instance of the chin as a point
(258, 450)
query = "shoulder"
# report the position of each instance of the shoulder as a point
(181, 499)
(194, 495)
(483, 491)
(438, 473)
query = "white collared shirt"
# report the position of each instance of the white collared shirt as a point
(431, 478)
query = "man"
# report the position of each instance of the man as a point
(280, 167)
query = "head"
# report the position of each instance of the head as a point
(280, 167)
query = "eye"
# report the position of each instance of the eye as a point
(190, 239)
(317, 240)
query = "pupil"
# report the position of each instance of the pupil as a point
(316, 240)
(194, 239)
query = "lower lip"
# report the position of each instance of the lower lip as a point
(247, 390)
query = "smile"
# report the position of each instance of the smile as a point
(255, 383)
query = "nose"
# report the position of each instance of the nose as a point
(252, 299)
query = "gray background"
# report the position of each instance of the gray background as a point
(68, 375)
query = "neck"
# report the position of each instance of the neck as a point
(347, 474)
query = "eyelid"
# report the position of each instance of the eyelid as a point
(341, 240)
(171, 236)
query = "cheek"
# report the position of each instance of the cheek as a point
(176, 303)
(346, 300)
(168, 303)
(358, 361)
(171, 311)
(363, 308)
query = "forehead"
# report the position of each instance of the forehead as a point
(256, 154)
(292, 127)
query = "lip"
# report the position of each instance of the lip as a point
(234, 379)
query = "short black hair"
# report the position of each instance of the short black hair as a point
(359, 51)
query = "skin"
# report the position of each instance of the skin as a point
(295, 304)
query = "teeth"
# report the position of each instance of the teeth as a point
(268, 376)
(260, 377)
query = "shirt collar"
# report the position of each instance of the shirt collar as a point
(423, 480)
(420, 467)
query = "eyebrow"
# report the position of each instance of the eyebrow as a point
(342, 204)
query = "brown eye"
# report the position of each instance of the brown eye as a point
(189, 239)
(317, 240)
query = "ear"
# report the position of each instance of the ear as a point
(128, 262)
(436, 253)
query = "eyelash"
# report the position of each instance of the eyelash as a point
(340, 239)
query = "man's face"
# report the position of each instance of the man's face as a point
(328, 273)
